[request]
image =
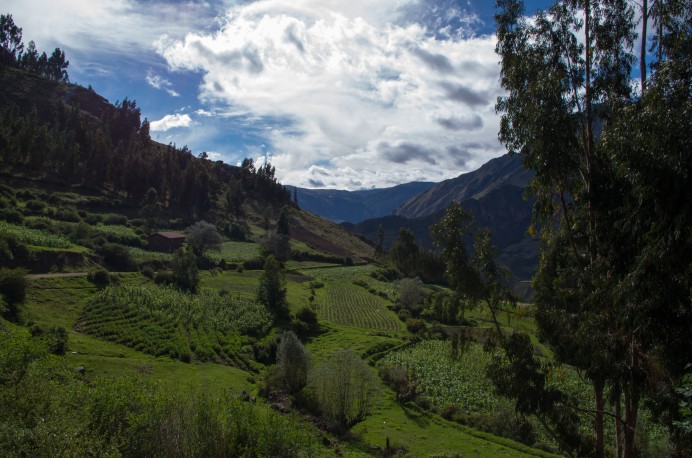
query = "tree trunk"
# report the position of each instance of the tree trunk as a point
(631, 403)
(642, 51)
(618, 428)
(598, 419)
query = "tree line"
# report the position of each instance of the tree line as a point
(14, 53)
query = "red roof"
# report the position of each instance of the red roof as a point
(171, 235)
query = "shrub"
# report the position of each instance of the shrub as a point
(100, 278)
(185, 272)
(164, 277)
(398, 379)
(117, 257)
(13, 289)
(67, 215)
(11, 215)
(404, 315)
(410, 294)
(54, 338)
(203, 236)
(149, 273)
(36, 205)
(345, 389)
(114, 219)
(414, 326)
(6, 190)
(307, 315)
(293, 362)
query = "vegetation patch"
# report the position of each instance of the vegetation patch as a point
(34, 236)
(351, 305)
(166, 322)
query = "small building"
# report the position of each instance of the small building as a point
(167, 242)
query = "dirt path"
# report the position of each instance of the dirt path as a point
(68, 274)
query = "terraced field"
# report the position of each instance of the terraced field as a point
(352, 305)
(165, 322)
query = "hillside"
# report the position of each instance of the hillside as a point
(502, 172)
(355, 206)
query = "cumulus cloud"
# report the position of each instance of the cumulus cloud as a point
(357, 87)
(171, 122)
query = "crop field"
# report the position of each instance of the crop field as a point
(117, 233)
(341, 274)
(235, 252)
(34, 236)
(165, 322)
(140, 255)
(352, 305)
(445, 380)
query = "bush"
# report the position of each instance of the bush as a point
(345, 389)
(36, 205)
(164, 277)
(13, 289)
(203, 236)
(67, 215)
(404, 315)
(149, 273)
(414, 326)
(11, 215)
(398, 379)
(308, 315)
(54, 338)
(100, 278)
(185, 272)
(293, 362)
(117, 257)
(114, 219)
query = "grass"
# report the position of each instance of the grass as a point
(425, 434)
(235, 252)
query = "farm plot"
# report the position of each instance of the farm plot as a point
(165, 322)
(34, 236)
(235, 252)
(446, 380)
(352, 305)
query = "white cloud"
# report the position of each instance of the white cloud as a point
(159, 82)
(379, 100)
(171, 122)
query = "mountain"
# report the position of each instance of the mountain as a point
(355, 206)
(494, 195)
(502, 172)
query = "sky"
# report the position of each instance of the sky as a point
(341, 94)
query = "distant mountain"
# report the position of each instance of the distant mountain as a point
(356, 206)
(494, 194)
(502, 172)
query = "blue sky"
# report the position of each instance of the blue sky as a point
(340, 94)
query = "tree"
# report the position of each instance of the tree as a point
(56, 68)
(151, 209)
(11, 45)
(272, 291)
(449, 235)
(293, 361)
(203, 236)
(570, 112)
(345, 388)
(404, 253)
(12, 291)
(185, 272)
(410, 294)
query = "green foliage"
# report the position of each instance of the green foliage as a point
(345, 388)
(45, 406)
(117, 257)
(185, 272)
(293, 363)
(33, 236)
(164, 321)
(404, 253)
(443, 379)
(410, 294)
(54, 338)
(12, 290)
(203, 236)
(272, 290)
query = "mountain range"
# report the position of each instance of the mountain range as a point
(494, 194)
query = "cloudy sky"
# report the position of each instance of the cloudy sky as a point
(347, 94)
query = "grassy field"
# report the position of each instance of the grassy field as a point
(367, 326)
